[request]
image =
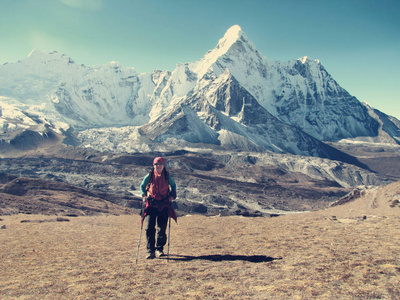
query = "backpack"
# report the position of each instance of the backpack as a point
(151, 175)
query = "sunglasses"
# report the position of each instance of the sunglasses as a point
(158, 164)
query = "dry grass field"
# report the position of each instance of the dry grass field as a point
(350, 251)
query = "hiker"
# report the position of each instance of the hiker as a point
(158, 190)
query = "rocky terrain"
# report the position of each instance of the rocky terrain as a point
(225, 183)
(28, 196)
(381, 158)
(348, 251)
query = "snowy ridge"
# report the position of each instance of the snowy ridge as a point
(232, 97)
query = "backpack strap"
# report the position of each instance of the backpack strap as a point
(151, 173)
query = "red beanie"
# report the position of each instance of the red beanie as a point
(159, 160)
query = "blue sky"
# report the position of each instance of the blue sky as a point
(357, 41)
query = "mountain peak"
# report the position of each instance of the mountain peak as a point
(42, 56)
(42, 53)
(234, 32)
(36, 52)
(305, 59)
(232, 35)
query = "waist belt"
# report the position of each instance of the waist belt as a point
(151, 202)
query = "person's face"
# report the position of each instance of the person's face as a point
(159, 167)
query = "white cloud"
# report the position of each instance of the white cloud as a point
(84, 4)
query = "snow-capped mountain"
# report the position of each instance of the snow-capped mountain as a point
(233, 97)
(226, 114)
(298, 92)
(22, 130)
(78, 95)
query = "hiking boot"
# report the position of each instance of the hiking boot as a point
(159, 253)
(150, 255)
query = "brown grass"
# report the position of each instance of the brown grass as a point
(346, 252)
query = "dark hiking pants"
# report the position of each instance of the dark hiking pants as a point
(152, 218)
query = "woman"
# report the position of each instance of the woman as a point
(158, 190)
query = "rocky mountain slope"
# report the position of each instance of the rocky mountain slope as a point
(225, 114)
(209, 183)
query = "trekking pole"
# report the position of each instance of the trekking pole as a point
(169, 235)
(140, 238)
